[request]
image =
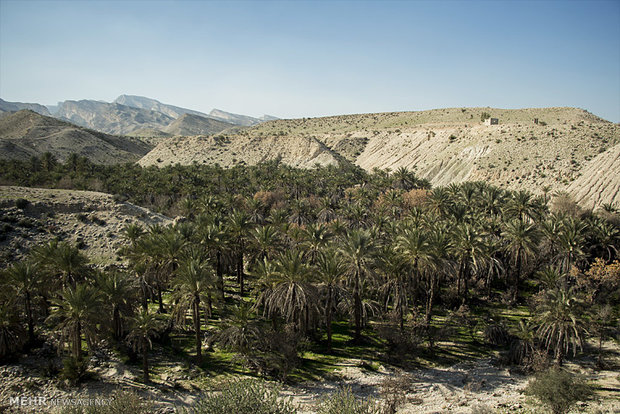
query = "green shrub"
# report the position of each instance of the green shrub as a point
(74, 370)
(558, 389)
(245, 397)
(344, 401)
(21, 203)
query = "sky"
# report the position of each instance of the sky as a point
(297, 59)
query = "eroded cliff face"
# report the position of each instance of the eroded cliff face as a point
(599, 182)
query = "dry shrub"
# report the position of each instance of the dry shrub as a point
(399, 342)
(394, 392)
(270, 199)
(415, 198)
(496, 334)
(536, 361)
(563, 203)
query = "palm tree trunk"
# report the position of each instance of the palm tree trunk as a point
(159, 298)
(196, 317)
(459, 276)
(329, 319)
(145, 360)
(220, 273)
(429, 299)
(357, 304)
(240, 268)
(517, 278)
(30, 319)
(116, 318)
(77, 341)
(145, 304)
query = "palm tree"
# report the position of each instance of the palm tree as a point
(265, 242)
(213, 237)
(12, 335)
(193, 283)
(607, 238)
(314, 238)
(560, 322)
(469, 250)
(26, 279)
(132, 232)
(143, 327)
(62, 259)
(330, 272)
(289, 290)
(416, 251)
(238, 226)
(394, 268)
(522, 245)
(165, 249)
(523, 206)
(240, 332)
(118, 292)
(357, 250)
(327, 210)
(77, 311)
(525, 343)
(571, 240)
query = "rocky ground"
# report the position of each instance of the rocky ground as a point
(467, 387)
(92, 220)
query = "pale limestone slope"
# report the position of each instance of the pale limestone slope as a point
(515, 155)
(302, 152)
(600, 180)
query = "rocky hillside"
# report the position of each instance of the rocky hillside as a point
(92, 220)
(110, 118)
(18, 106)
(299, 151)
(599, 182)
(189, 124)
(443, 145)
(142, 102)
(26, 133)
(241, 120)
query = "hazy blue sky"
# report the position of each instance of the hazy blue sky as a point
(296, 59)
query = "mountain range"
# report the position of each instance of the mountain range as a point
(135, 115)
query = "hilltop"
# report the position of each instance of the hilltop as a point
(189, 124)
(18, 106)
(443, 145)
(24, 134)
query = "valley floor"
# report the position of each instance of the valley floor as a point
(475, 386)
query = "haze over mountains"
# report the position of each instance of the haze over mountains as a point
(129, 114)
(545, 149)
